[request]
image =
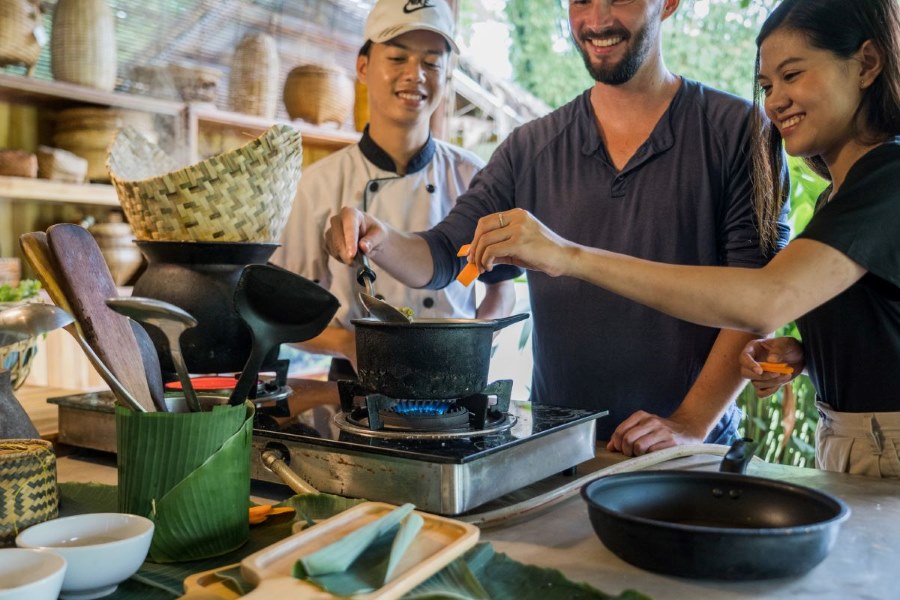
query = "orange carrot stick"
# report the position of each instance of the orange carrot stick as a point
(777, 368)
(463, 250)
(468, 274)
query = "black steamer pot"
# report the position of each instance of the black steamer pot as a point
(725, 525)
(436, 359)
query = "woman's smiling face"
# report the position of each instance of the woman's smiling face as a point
(811, 95)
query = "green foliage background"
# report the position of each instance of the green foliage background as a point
(712, 41)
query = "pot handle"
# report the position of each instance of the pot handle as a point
(738, 456)
(506, 321)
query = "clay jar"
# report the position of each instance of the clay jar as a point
(200, 277)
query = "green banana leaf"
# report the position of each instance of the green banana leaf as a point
(190, 474)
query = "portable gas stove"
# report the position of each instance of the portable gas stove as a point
(446, 457)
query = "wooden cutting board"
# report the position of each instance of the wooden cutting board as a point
(86, 281)
(36, 250)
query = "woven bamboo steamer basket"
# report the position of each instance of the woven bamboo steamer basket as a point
(18, 21)
(29, 494)
(318, 94)
(243, 195)
(253, 83)
(88, 132)
(83, 44)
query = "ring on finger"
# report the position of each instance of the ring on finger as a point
(500, 216)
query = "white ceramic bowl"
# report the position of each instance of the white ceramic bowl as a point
(31, 574)
(101, 549)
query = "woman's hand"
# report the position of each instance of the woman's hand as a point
(516, 237)
(780, 350)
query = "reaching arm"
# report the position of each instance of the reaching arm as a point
(334, 341)
(802, 276)
(405, 256)
(716, 387)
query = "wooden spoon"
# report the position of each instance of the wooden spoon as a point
(37, 252)
(85, 278)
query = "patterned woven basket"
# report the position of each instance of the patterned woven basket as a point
(83, 45)
(318, 94)
(19, 20)
(18, 163)
(28, 492)
(253, 84)
(243, 195)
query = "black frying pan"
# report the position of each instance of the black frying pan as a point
(722, 525)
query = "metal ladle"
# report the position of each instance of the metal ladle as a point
(377, 307)
(28, 320)
(172, 321)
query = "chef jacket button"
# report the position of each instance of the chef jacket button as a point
(428, 302)
(430, 188)
(373, 187)
(379, 296)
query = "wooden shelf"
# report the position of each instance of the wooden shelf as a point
(23, 188)
(42, 92)
(312, 134)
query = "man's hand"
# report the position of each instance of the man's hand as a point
(779, 350)
(643, 432)
(350, 231)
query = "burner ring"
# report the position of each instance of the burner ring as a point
(340, 419)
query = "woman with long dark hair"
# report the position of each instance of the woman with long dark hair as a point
(829, 82)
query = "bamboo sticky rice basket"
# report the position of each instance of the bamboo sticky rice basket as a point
(83, 45)
(244, 195)
(252, 87)
(28, 495)
(19, 20)
(318, 94)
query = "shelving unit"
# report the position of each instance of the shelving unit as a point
(43, 190)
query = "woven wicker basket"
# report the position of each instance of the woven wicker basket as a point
(89, 132)
(29, 494)
(318, 94)
(19, 19)
(253, 85)
(83, 45)
(195, 84)
(18, 163)
(244, 195)
(61, 165)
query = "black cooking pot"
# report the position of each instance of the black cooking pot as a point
(439, 359)
(725, 526)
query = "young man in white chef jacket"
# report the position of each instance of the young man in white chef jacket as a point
(397, 172)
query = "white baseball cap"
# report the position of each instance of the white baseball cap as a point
(390, 18)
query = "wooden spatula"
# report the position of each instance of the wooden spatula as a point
(86, 281)
(37, 252)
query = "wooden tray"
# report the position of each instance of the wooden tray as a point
(439, 542)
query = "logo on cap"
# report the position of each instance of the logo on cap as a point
(414, 5)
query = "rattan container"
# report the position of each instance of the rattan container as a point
(89, 132)
(253, 84)
(61, 165)
(28, 494)
(243, 195)
(18, 163)
(83, 44)
(195, 84)
(19, 36)
(116, 243)
(318, 94)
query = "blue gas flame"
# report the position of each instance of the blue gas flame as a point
(422, 407)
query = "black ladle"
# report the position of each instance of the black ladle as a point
(279, 307)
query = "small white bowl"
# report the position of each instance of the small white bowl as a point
(32, 574)
(101, 549)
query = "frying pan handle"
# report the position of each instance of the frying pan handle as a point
(738, 457)
(506, 321)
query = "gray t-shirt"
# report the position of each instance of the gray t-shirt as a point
(684, 197)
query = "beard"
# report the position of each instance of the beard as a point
(625, 69)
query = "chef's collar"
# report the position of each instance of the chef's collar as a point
(378, 157)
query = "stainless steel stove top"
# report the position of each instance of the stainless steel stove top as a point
(445, 476)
